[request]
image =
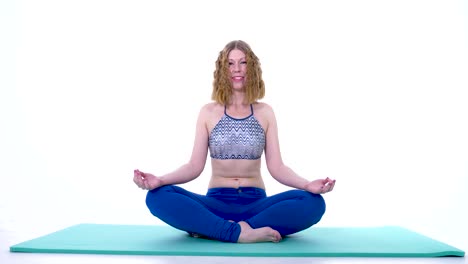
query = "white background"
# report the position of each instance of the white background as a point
(371, 93)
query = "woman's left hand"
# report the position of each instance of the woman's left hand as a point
(320, 186)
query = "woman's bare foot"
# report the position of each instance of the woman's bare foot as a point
(263, 234)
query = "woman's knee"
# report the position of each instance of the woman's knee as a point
(304, 210)
(158, 194)
(318, 202)
(314, 205)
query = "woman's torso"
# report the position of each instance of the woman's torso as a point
(236, 172)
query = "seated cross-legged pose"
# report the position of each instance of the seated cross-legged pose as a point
(236, 129)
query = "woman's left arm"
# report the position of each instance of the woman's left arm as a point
(278, 170)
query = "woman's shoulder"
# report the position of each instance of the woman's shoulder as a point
(211, 110)
(263, 108)
(211, 107)
(264, 114)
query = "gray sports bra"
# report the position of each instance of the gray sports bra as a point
(234, 138)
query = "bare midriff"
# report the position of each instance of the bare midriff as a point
(235, 173)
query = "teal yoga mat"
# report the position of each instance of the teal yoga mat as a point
(387, 241)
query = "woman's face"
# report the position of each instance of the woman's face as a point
(237, 69)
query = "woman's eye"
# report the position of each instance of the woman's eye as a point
(242, 62)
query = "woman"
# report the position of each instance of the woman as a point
(236, 129)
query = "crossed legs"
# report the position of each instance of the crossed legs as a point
(266, 219)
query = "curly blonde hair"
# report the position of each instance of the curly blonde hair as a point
(222, 87)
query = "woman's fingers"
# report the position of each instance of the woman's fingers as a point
(147, 187)
(138, 173)
(140, 179)
(328, 186)
(143, 180)
(331, 185)
(136, 179)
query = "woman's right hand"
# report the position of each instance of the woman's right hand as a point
(146, 181)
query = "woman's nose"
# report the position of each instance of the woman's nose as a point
(236, 67)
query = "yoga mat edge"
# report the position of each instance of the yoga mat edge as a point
(166, 241)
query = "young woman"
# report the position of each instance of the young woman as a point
(236, 130)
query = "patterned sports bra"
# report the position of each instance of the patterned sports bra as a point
(234, 138)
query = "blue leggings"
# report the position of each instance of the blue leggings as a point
(209, 215)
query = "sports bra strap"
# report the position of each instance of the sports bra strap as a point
(251, 109)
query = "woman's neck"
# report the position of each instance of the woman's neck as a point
(238, 100)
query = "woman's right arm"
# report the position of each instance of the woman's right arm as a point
(187, 172)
